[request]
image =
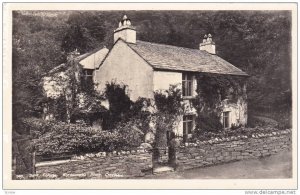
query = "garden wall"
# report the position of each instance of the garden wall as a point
(217, 151)
(137, 163)
(126, 164)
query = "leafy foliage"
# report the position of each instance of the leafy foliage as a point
(209, 122)
(132, 135)
(83, 32)
(169, 101)
(211, 90)
(258, 42)
(122, 109)
(31, 58)
(58, 107)
(214, 88)
(53, 137)
(169, 109)
(119, 104)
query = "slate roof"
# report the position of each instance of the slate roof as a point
(59, 68)
(64, 66)
(103, 52)
(167, 57)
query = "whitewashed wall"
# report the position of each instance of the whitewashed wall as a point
(55, 85)
(124, 66)
(93, 61)
(163, 79)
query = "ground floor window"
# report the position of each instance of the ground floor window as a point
(225, 119)
(188, 123)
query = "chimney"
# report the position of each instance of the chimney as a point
(208, 45)
(72, 55)
(125, 31)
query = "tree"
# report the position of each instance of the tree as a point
(258, 42)
(32, 58)
(167, 115)
(85, 32)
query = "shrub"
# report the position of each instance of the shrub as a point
(209, 122)
(130, 134)
(61, 137)
(36, 126)
(259, 121)
(119, 104)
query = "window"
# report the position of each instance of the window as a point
(188, 123)
(225, 119)
(87, 78)
(187, 85)
(88, 73)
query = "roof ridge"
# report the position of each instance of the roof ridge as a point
(170, 46)
(175, 58)
(93, 51)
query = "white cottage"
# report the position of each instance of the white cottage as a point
(146, 67)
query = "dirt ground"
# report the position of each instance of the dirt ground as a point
(275, 166)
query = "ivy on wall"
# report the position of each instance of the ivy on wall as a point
(69, 106)
(211, 90)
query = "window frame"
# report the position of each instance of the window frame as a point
(186, 122)
(86, 78)
(85, 73)
(187, 85)
(226, 116)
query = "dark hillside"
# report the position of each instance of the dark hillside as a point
(258, 42)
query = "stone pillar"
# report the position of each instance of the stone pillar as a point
(160, 156)
(174, 144)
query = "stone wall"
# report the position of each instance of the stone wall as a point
(212, 152)
(101, 165)
(137, 163)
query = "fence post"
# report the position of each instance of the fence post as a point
(33, 163)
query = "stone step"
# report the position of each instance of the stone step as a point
(162, 169)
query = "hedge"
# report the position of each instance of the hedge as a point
(53, 137)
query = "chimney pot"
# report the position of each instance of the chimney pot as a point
(125, 31)
(204, 39)
(208, 45)
(209, 39)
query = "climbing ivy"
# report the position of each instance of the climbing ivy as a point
(78, 99)
(211, 90)
(215, 88)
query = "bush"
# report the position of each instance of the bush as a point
(59, 137)
(119, 104)
(207, 122)
(36, 126)
(131, 135)
(259, 121)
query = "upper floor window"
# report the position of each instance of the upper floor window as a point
(187, 85)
